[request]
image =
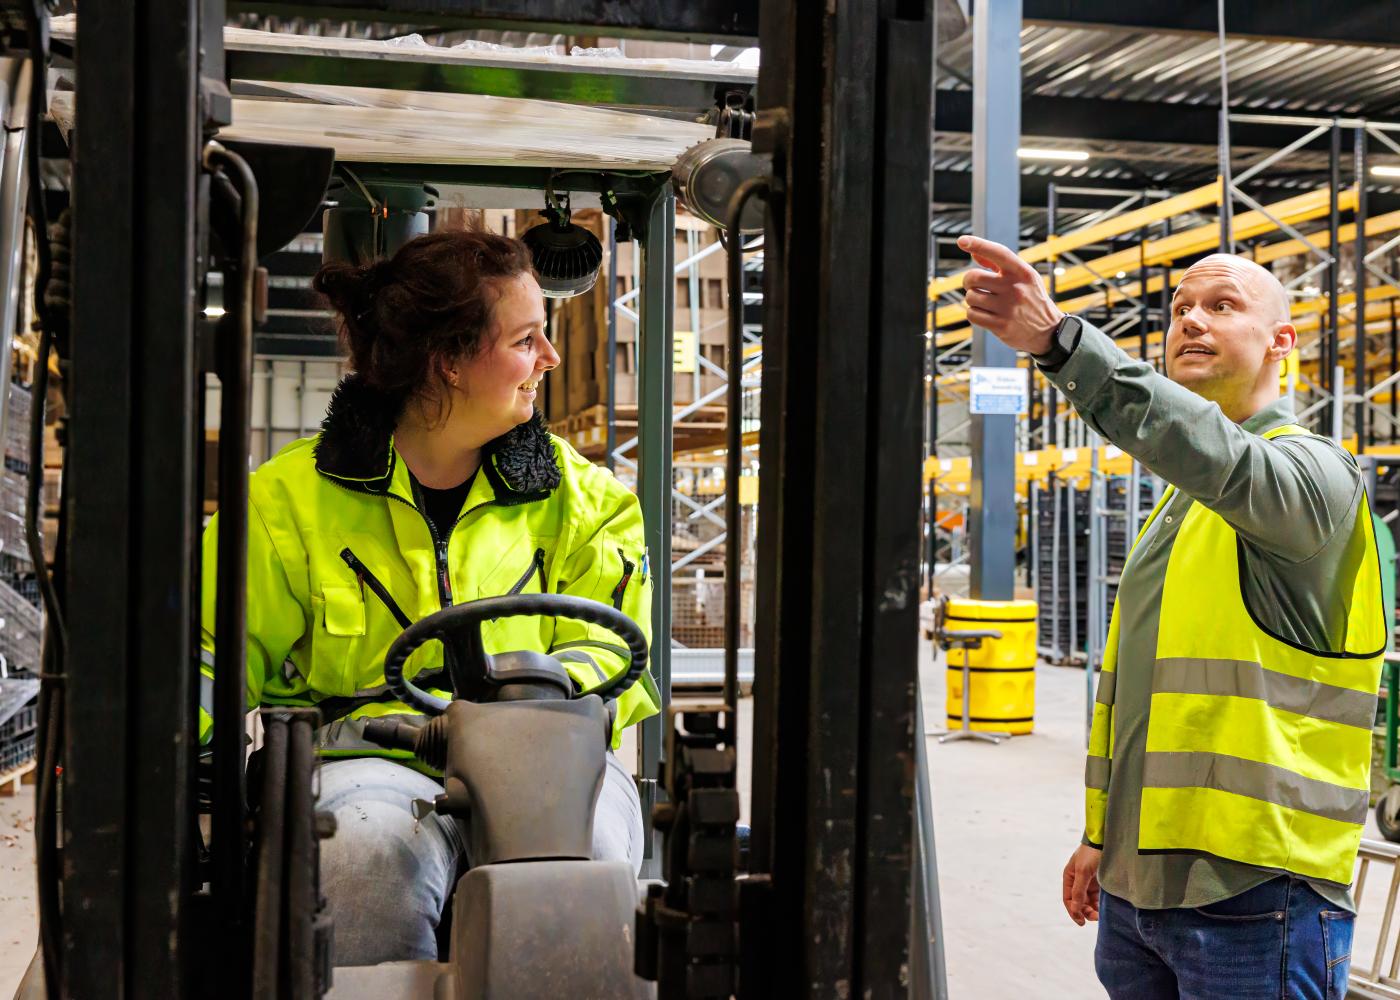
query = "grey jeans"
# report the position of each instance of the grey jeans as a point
(387, 876)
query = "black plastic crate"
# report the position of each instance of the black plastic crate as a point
(16, 752)
(23, 722)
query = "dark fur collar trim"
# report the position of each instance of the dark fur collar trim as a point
(354, 447)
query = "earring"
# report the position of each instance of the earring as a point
(453, 376)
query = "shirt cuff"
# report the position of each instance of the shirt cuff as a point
(1088, 369)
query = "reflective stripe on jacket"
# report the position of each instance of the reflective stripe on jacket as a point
(1258, 749)
(538, 517)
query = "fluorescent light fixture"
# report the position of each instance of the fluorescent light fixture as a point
(1059, 270)
(1386, 171)
(213, 312)
(1039, 153)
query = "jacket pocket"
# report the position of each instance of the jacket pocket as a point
(536, 569)
(337, 641)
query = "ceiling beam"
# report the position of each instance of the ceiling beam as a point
(1285, 20)
(1105, 120)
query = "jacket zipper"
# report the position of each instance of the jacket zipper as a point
(368, 579)
(444, 578)
(536, 566)
(621, 587)
(439, 547)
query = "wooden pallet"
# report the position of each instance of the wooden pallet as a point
(11, 780)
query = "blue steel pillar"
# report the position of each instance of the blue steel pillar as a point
(996, 199)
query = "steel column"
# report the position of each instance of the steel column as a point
(654, 391)
(1331, 342)
(612, 345)
(1359, 359)
(1052, 394)
(996, 215)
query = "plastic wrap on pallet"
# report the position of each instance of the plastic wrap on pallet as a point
(12, 539)
(21, 629)
(17, 425)
(15, 694)
(13, 489)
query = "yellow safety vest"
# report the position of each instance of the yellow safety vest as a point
(1258, 750)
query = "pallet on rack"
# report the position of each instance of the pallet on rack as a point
(10, 781)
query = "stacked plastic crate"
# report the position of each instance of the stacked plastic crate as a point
(1061, 568)
(1061, 552)
(18, 721)
(21, 621)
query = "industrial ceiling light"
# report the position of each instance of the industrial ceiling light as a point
(706, 176)
(1386, 171)
(566, 257)
(1039, 153)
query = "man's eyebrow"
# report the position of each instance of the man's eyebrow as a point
(1235, 286)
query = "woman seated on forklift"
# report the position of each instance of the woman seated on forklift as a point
(435, 469)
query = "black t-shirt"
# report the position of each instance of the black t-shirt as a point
(443, 506)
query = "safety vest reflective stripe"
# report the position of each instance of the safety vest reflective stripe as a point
(1108, 681)
(1256, 780)
(1096, 770)
(1243, 679)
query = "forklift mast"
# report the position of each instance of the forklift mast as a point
(843, 107)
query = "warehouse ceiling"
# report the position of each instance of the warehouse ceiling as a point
(1137, 88)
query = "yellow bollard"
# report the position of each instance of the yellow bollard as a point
(1001, 672)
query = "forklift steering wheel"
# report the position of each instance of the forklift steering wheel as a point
(462, 622)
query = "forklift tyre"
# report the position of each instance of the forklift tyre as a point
(1388, 814)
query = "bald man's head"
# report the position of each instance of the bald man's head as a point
(1258, 281)
(1230, 329)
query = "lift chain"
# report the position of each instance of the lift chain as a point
(686, 928)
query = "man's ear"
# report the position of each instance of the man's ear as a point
(1285, 339)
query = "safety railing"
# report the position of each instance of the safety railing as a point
(1380, 979)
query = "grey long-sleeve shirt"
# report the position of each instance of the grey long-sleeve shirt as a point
(1293, 500)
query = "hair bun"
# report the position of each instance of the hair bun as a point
(350, 287)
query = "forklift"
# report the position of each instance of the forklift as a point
(140, 896)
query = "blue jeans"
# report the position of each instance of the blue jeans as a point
(386, 876)
(1279, 940)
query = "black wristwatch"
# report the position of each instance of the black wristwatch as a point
(1062, 344)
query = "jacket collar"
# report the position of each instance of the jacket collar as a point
(1276, 414)
(356, 447)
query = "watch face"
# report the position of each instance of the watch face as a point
(1068, 333)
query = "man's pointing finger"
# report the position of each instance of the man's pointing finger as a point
(989, 253)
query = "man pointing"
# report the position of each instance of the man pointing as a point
(1229, 762)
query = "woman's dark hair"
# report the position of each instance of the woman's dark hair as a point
(400, 316)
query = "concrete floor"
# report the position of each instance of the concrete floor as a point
(1006, 819)
(19, 928)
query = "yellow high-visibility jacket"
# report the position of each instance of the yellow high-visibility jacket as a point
(538, 518)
